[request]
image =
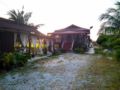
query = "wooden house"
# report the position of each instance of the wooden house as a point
(70, 38)
(15, 36)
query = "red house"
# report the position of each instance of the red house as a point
(70, 38)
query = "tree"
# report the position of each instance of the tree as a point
(19, 17)
(111, 18)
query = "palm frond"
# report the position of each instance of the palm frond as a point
(27, 17)
(12, 15)
(111, 18)
(104, 16)
(19, 16)
(111, 10)
(117, 3)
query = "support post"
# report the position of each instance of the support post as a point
(29, 40)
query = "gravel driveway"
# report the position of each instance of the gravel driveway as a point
(54, 74)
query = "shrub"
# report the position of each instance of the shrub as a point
(45, 51)
(102, 39)
(62, 51)
(7, 61)
(117, 55)
(20, 58)
(111, 43)
(11, 60)
(116, 47)
(107, 42)
(116, 41)
(27, 55)
(98, 50)
(79, 50)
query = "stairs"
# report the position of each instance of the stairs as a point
(67, 45)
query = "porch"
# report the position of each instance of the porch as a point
(19, 37)
(71, 38)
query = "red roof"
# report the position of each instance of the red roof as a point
(72, 29)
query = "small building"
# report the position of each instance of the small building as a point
(14, 36)
(70, 38)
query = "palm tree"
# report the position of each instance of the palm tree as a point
(111, 19)
(19, 17)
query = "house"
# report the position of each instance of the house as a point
(70, 38)
(14, 36)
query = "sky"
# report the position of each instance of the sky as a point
(57, 14)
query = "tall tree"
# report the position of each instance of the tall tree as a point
(19, 16)
(111, 18)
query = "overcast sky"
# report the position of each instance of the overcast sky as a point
(57, 14)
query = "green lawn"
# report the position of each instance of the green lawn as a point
(101, 74)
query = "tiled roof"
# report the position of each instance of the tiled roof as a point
(72, 29)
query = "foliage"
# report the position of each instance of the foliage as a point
(112, 44)
(117, 54)
(19, 16)
(79, 50)
(111, 23)
(116, 42)
(56, 53)
(44, 47)
(102, 39)
(98, 51)
(111, 18)
(20, 58)
(45, 50)
(79, 47)
(12, 60)
(62, 50)
(7, 61)
(108, 42)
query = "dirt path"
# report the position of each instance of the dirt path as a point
(57, 74)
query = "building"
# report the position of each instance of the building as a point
(70, 38)
(14, 36)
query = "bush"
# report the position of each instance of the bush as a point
(45, 51)
(79, 50)
(111, 43)
(7, 61)
(116, 41)
(107, 42)
(27, 55)
(98, 50)
(117, 55)
(12, 60)
(62, 51)
(116, 47)
(20, 58)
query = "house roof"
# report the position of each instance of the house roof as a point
(8, 25)
(72, 29)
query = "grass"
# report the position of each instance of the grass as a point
(105, 74)
(101, 74)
